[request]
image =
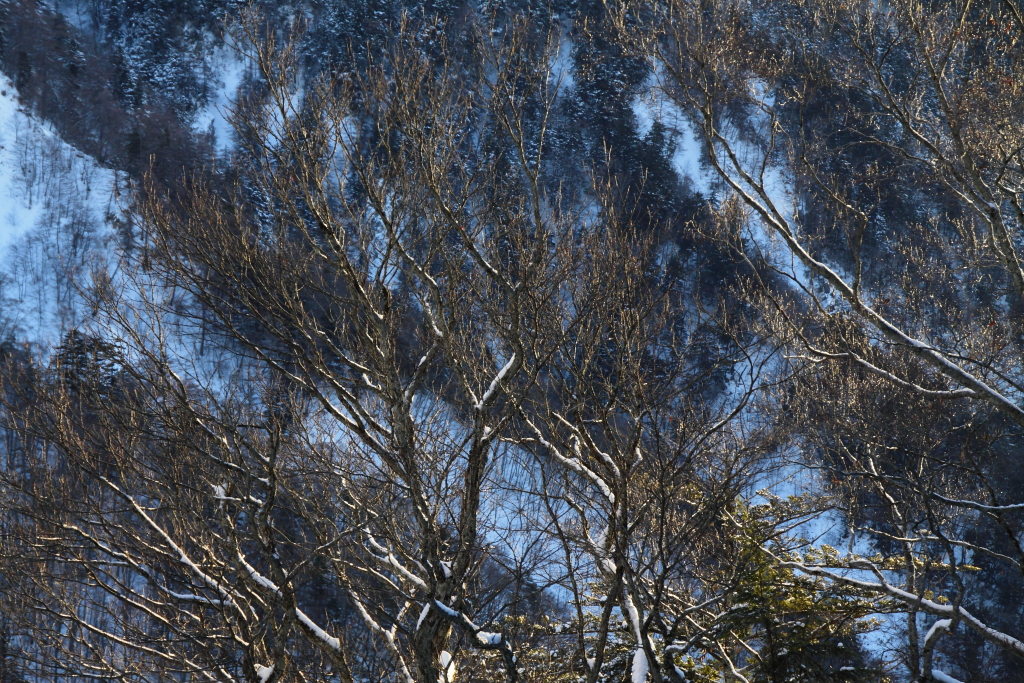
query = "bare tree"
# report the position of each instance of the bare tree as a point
(385, 266)
(344, 399)
(639, 456)
(876, 148)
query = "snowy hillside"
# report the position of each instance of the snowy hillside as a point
(59, 211)
(423, 341)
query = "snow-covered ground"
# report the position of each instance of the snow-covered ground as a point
(57, 212)
(561, 72)
(653, 106)
(17, 214)
(230, 69)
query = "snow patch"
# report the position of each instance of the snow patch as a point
(17, 128)
(562, 64)
(653, 106)
(231, 69)
(55, 204)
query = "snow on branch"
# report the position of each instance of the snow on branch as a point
(388, 559)
(495, 383)
(310, 626)
(485, 640)
(979, 506)
(574, 464)
(999, 638)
